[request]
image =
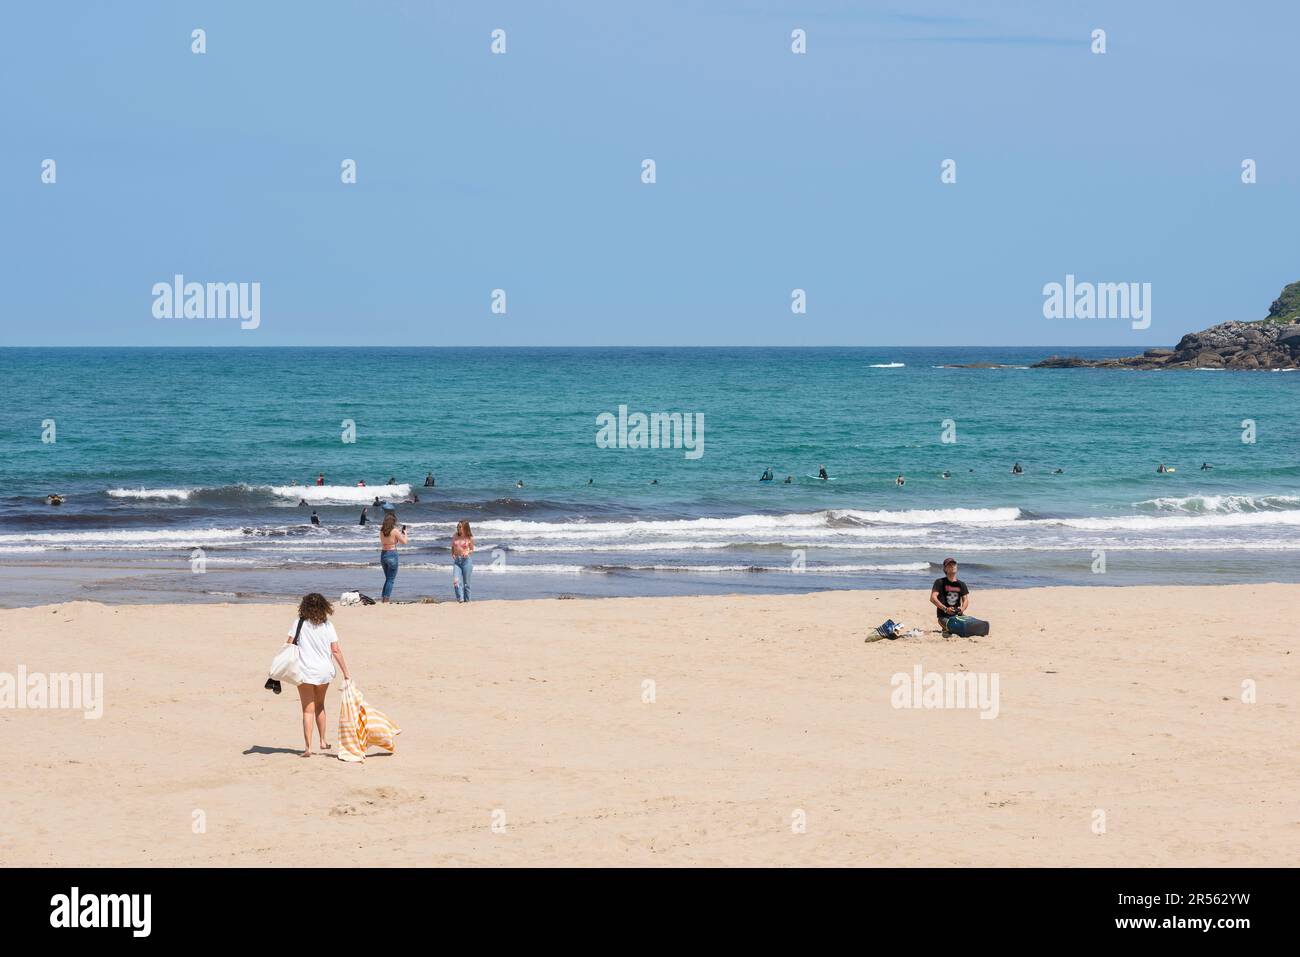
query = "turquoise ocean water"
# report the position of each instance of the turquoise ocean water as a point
(162, 452)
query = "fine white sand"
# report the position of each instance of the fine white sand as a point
(766, 711)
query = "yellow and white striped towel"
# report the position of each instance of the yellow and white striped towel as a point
(362, 727)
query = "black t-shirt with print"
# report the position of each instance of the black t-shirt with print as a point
(950, 594)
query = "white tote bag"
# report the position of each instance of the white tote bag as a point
(287, 665)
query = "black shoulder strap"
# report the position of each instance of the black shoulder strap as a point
(297, 631)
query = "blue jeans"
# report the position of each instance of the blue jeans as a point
(460, 569)
(388, 562)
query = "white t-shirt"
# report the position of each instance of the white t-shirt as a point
(314, 651)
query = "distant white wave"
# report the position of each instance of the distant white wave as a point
(171, 494)
(745, 524)
(887, 365)
(341, 494)
(932, 516)
(313, 494)
(1224, 504)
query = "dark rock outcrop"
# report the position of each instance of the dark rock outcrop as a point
(1271, 343)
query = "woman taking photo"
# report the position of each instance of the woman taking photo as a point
(390, 536)
(462, 547)
(318, 649)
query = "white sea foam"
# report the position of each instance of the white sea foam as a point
(1227, 504)
(170, 494)
(1152, 523)
(342, 494)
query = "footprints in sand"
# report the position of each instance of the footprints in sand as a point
(371, 800)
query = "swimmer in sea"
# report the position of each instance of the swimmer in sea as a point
(363, 516)
(1059, 472)
(302, 502)
(392, 480)
(519, 484)
(1205, 466)
(789, 480)
(946, 474)
(767, 475)
(320, 479)
(429, 482)
(1161, 468)
(1016, 469)
(654, 481)
(900, 481)
(315, 519)
(821, 473)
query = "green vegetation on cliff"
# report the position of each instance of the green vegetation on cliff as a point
(1286, 307)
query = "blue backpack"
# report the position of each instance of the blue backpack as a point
(967, 627)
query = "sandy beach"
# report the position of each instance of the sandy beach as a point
(771, 738)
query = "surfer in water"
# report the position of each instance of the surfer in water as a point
(1017, 470)
(767, 475)
(320, 479)
(429, 482)
(789, 480)
(821, 473)
(946, 474)
(1160, 469)
(900, 481)
(315, 519)
(55, 499)
(1206, 466)
(519, 484)
(363, 519)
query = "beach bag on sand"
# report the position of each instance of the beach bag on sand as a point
(286, 665)
(362, 727)
(964, 626)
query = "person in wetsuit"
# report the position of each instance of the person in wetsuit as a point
(767, 475)
(429, 482)
(821, 473)
(315, 519)
(363, 519)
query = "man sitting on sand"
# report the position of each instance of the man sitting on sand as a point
(949, 594)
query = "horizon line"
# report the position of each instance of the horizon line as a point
(641, 346)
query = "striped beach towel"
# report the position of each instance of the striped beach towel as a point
(362, 727)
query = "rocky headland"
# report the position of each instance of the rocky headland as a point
(1269, 343)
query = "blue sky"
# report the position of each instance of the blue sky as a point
(522, 171)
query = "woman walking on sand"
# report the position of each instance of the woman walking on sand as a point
(462, 548)
(318, 650)
(390, 536)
